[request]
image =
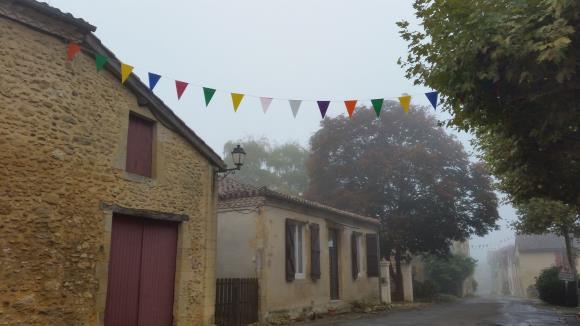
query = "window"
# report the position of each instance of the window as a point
(357, 257)
(294, 250)
(299, 251)
(139, 146)
(360, 244)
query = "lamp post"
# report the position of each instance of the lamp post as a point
(238, 155)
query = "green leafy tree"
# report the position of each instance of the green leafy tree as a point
(449, 273)
(507, 71)
(280, 167)
(405, 171)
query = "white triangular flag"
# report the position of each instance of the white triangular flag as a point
(295, 106)
(265, 103)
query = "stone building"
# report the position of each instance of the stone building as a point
(99, 183)
(308, 257)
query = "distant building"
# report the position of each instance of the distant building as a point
(515, 268)
(308, 257)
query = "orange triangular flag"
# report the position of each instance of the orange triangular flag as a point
(72, 50)
(350, 105)
(125, 72)
(405, 102)
(236, 100)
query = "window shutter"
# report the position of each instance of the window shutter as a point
(354, 254)
(290, 259)
(315, 251)
(139, 146)
(372, 256)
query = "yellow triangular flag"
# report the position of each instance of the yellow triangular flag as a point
(125, 72)
(237, 99)
(405, 102)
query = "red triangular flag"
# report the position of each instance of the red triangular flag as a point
(350, 105)
(72, 51)
(180, 87)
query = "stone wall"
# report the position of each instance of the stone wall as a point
(63, 130)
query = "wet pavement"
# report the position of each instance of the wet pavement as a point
(474, 311)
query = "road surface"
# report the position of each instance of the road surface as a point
(475, 311)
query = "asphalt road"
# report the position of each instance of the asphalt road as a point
(475, 311)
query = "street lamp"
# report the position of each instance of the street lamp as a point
(238, 155)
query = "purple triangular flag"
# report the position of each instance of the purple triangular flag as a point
(323, 106)
(153, 79)
(432, 97)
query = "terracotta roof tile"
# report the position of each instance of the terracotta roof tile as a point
(235, 194)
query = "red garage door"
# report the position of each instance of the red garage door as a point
(141, 272)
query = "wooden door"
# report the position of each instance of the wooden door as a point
(333, 263)
(141, 272)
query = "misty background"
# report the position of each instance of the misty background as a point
(310, 50)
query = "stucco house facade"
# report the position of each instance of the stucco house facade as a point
(515, 267)
(308, 257)
(107, 199)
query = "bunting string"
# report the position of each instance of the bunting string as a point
(208, 93)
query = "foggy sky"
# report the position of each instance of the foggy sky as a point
(292, 49)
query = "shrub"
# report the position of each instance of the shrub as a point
(448, 273)
(423, 290)
(550, 288)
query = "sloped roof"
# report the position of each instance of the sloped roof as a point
(66, 17)
(145, 97)
(235, 194)
(542, 242)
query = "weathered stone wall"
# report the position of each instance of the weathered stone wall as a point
(63, 133)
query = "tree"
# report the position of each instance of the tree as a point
(407, 172)
(280, 167)
(448, 273)
(507, 71)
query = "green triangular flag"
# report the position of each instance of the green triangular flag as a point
(100, 61)
(378, 105)
(208, 94)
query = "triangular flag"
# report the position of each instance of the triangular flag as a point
(208, 94)
(295, 106)
(72, 50)
(405, 102)
(378, 105)
(180, 87)
(266, 101)
(100, 61)
(153, 79)
(236, 100)
(350, 105)
(432, 97)
(323, 106)
(125, 72)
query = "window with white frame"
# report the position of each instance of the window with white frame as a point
(360, 245)
(299, 250)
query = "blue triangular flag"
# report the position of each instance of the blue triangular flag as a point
(153, 79)
(432, 97)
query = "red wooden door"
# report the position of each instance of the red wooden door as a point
(157, 273)
(141, 272)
